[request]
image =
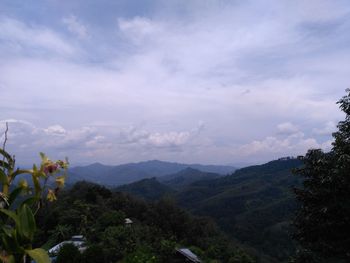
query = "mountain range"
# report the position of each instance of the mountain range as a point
(254, 205)
(109, 175)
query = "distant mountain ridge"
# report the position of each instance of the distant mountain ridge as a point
(110, 175)
(168, 185)
(253, 205)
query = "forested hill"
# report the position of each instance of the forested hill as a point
(254, 205)
(150, 189)
(131, 172)
(156, 231)
(186, 177)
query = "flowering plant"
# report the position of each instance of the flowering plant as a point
(17, 215)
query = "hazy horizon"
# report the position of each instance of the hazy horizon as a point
(210, 82)
(237, 165)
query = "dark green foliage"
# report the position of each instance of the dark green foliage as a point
(150, 189)
(61, 233)
(110, 218)
(142, 255)
(241, 258)
(254, 205)
(157, 229)
(117, 242)
(68, 254)
(92, 254)
(323, 221)
(166, 250)
(187, 177)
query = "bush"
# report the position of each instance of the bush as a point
(68, 254)
(92, 254)
(141, 255)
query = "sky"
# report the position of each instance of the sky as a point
(212, 82)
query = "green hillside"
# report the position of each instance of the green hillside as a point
(186, 177)
(157, 228)
(149, 189)
(254, 205)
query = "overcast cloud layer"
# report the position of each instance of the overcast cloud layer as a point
(188, 81)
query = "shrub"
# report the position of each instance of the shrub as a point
(68, 254)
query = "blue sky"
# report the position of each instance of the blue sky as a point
(189, 81)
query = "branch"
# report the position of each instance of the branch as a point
(4, 144)
(6, 131)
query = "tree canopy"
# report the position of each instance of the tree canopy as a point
(323, 221)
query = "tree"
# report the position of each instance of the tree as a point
(117, 242)
(69, 253)
(61, 233)
(323, 220)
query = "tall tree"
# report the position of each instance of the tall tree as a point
(323, 221)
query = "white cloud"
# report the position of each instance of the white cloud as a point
(241, 68)
(26, 139)
(32, 38)
(138, 28)
(16, 128)
(327, 129)
(287, 128)
(55, 130)
(142, 137)
(75, 26)
(274, 147)
(168, 139)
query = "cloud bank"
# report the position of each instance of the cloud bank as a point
(199, 81)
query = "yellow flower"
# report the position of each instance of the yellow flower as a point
(23, 184)
(51, 196)
(62, 164)
(60, 181)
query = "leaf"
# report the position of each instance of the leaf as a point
(7, 230)
(4, 164)
(6, 155)
(37, 185)
(30, 201)
(3, 177)
(10, 214)
(43, 156)
(10, 243)
(39, 255)
(14, 194)
(27, 222)
(20, 171)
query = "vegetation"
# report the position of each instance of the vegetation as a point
(186, 177)
(323, 221)
(157, 229)
(19, 204)
(254, 206)
(149, 189)
(68, 254)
